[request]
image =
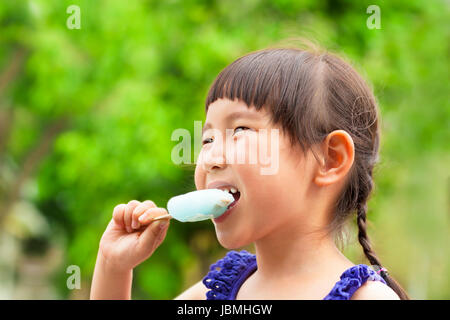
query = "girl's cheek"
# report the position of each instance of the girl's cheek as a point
(199, 176)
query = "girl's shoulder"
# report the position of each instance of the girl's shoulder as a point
(375, 290)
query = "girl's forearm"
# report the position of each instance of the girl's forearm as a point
(109, 283)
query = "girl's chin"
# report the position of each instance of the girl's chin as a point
(230, 239)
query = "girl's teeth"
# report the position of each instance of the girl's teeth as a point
(230, 190)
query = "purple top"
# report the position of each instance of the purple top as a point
(228, 274)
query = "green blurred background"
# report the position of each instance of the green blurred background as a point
(86, 117)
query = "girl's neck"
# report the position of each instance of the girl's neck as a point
(293, 254)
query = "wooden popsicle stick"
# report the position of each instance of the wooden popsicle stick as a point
(162, 217)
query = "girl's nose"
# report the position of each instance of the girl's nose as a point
(214, 157)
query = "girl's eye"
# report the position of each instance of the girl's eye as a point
(240, 127)
(207, 140)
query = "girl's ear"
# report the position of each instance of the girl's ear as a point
(339, 153)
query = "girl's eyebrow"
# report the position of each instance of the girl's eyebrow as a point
(232, 116)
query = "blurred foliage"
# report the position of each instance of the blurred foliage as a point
(90, 114)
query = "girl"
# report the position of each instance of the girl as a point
(327, 120)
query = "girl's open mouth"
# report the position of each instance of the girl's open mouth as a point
(236, 195)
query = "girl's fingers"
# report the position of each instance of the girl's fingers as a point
(138, 211)
(118, 213)
(150, 214)
(128, 214)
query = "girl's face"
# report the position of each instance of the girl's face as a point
(274, 190)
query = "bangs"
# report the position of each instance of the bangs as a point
(282, 81)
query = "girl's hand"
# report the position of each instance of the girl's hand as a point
(131, 236)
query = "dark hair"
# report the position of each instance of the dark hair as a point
(310, 93)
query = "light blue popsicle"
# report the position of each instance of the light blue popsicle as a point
(199, 205)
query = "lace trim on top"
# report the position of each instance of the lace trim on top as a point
(351, 279)
(227, 275)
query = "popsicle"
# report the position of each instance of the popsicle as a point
(198, 205)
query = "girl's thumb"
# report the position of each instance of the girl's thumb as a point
(154, 234)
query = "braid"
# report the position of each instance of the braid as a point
(363, 237)
(361, 211)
